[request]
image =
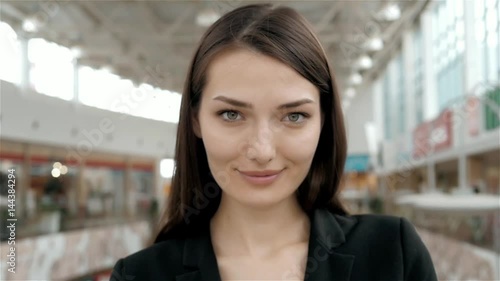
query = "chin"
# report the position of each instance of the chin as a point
(257, 197)
(260, 203)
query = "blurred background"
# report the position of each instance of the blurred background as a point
(90, 95)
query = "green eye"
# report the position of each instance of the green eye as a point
(230, 115)
(296, 117)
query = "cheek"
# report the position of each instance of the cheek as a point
(301, 147)
(220, 145)
(222, 151)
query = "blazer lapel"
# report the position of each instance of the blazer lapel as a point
(327, 233)
(199, 259)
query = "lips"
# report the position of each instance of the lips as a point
(260, 173)
(261, 177)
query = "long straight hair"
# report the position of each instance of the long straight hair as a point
(281, 33)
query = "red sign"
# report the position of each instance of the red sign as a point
(433, 136)
(420, 140)
(472, 109)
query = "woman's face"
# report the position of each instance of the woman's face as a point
(260, 123)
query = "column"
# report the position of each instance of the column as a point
(129, 190)
(76, 81)
(25, 63)
(409, 68)
(82, 190)
(472, 71)
(159, 194)
(462, 171)
(378, 117)
(431, 176)
(430, 101)
(23, 210)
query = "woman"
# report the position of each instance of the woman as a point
(260, 152)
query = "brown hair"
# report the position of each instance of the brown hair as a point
(281, 33)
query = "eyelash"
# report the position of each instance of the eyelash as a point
(222, 112)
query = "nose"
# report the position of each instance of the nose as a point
(262, 148)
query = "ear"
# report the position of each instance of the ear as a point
(196, 125)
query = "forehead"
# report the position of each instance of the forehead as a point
(243, 72)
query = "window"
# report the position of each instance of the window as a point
(387, 105)
(51, 70)
(419, 75)
(102, 89)
(491, 115)
(10, 54)
(487, 35)
(449, 46)
(401, 97)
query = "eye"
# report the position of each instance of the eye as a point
(297, 117)
(230, 115)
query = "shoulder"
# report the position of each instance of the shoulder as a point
(164, 257)
(385, 224)
(379, 229)
(389, 240)
(368, 220)
(372, 224)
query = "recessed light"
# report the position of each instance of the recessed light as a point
(391, 12)
(356, 78)
(64, 170)
(365, 62)
(207, 17)
(374, 44)
(55, 173)
(350, 92)
(76, 52)
(30, 25)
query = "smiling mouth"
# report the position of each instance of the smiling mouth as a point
(260, 177)
(265, 173)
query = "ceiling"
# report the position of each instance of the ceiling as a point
(153, 41)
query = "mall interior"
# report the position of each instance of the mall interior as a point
(90, 101)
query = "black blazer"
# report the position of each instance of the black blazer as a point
(360, 247)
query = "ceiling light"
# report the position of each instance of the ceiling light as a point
(365, 62)
(76, 52)
(391, 12)
(207, 17)
(64, 170)
(30, 25)
(56, 165)
(356, 78)
(350, 92)
(55, 173)
(374, 44)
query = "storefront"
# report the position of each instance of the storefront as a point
(55, 194)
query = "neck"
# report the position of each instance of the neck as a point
(239, 230)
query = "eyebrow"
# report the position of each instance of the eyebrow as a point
(243, 104)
